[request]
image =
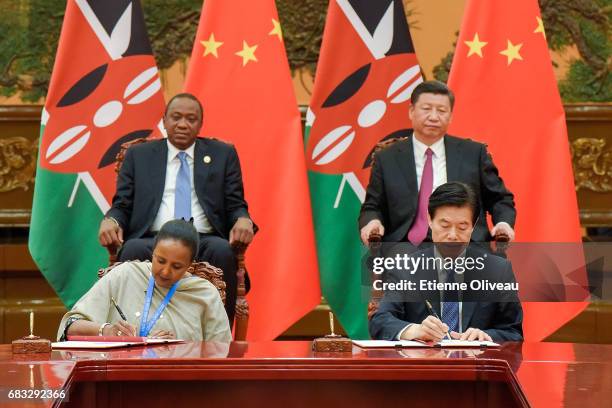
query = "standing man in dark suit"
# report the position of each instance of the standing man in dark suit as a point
(470, 314)
(186, 177)
(405, 174)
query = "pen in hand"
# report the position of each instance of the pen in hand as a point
(434, 314)
(118, 309)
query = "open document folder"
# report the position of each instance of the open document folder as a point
(90, 342)
(412, 343)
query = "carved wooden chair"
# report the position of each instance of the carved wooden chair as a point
(501, 241)
(241, 318)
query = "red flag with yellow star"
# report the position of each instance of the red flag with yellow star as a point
(240, 73)
(507, 97)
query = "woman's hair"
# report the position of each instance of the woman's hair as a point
(182, 231)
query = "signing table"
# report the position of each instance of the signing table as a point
(290, 374)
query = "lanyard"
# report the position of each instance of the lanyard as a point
(146, 326)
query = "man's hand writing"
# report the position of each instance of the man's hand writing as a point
(471, 334)
(431, 329)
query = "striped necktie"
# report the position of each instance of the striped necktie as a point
(450, 309)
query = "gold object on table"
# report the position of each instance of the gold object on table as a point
(31, 343)
(333, 342)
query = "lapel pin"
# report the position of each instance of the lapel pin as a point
(207, 159)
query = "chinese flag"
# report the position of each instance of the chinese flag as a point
(507, 97)
(239, 71)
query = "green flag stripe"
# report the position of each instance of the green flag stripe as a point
(63, 240)
(339, 250)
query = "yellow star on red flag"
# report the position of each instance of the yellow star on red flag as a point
(476, 46)
(512, 52)
(211, 46)
(276, 30)
(247, 53)
(540, 27)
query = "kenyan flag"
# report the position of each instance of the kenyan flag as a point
(104, 91)
(366, 73)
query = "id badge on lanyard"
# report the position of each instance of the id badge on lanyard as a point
(147, 325)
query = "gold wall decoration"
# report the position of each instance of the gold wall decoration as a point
(592, 162)
(17, 163)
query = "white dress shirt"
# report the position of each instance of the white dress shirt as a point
(166, 209)
(438, 161)
(438, 164)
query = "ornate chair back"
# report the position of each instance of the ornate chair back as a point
(202, 270)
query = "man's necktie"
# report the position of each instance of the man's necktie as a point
(450, 309)
(418, 231)
(182, 193)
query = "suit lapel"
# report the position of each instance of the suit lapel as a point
(468, 308)
(467, 312)
(452, 147)
(201, 170)
(435, 302)
(158, 173)
(405, 160)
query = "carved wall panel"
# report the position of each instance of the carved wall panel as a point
(590, 134)
(592, 160)
(17, 163)
(19, 130)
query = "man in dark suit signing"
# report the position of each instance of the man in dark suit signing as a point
(474, 313)
(186, 177)
(405, 173)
